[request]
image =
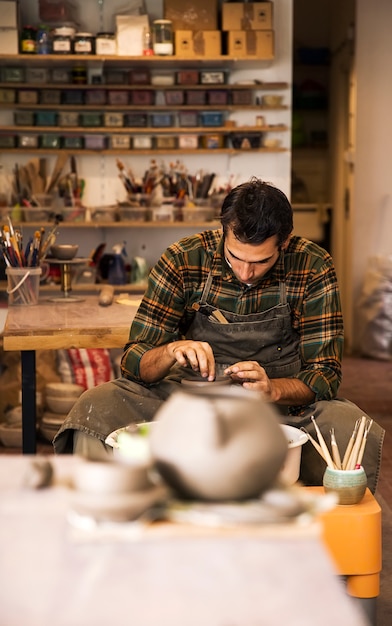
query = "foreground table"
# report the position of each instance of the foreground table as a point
(50, 326)
(161, 574)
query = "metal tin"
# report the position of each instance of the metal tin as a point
(188, 77)
(27, 96)
(174, 97)
(91, 119)
(139, 77)
(37, 75)
(162, 119)
(188, 118)
(217, 96)
(120, 142)
(50, 96)
(95, 96)
(73, 97)
(105, 44)
(114, 119)
(212, 78)
(116, 77)
(61, 75)
(195, 97)
(68, 118)
(142, 96)
(118, 97)
(84, 43)
(188, 142)
(13, 74)
(211, 142)
(24, 118)
(72, 142)
(165, 143)
(211, 118)
(51, 141)
(241, 96)
(7, 141)
(94, 142)
(142, 142)
(138, 120)
(28, 141)
(46, 118)
(7, 96)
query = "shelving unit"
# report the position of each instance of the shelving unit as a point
(11, 90)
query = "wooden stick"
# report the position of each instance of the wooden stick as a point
(314, 442)
(323, 445)
(357, 444)
(335, 450)
(350, 445)
(363, 443)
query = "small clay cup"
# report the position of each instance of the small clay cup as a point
(349, 485)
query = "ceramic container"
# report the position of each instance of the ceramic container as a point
(64, 251)
(349, 485)
(296, 438)
(218, 443)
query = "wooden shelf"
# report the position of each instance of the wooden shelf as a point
(145, 130)
(259, 86)
(136, 152)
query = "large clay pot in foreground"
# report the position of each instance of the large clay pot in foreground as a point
(218, 443)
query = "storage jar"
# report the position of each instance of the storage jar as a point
(105, 44)
(84, 43)
(162, 37)
(62, 40)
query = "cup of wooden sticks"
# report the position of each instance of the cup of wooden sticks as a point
(344, 476)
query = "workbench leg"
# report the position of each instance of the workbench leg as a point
(29, 409)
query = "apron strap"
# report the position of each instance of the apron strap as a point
(206, 289)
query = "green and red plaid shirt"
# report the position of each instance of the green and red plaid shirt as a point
(177, 280)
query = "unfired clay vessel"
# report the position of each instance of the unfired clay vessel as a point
(218, 443)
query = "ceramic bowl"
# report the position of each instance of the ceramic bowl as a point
(349, 485)
(64, 251)
(271, 100)
(110, 477)
(11, 436)
(296, 438)
(64, 390)
(58, 404)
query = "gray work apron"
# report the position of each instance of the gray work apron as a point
(266, 337)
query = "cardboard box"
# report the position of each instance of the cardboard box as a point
(9, 14)
(192, 14)
(202, 43)
(247, 16)
(9, 41)
(251, 43)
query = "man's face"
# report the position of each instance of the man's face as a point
(250, 262)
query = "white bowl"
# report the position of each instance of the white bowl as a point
(110, 477)
(64, 389)
(11, 436)
(296, 438)
(57, 404)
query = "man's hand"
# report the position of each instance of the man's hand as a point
(155, 364)
(197, 354)
(287, 391)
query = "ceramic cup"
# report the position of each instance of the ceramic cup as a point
(349, 485)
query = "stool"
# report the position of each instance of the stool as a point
(353, 536)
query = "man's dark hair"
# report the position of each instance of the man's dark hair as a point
(255, 211)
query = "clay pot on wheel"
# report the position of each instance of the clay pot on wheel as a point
(218, 443)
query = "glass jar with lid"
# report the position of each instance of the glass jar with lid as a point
(162, 37)
(84, 43)
(62, 41)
